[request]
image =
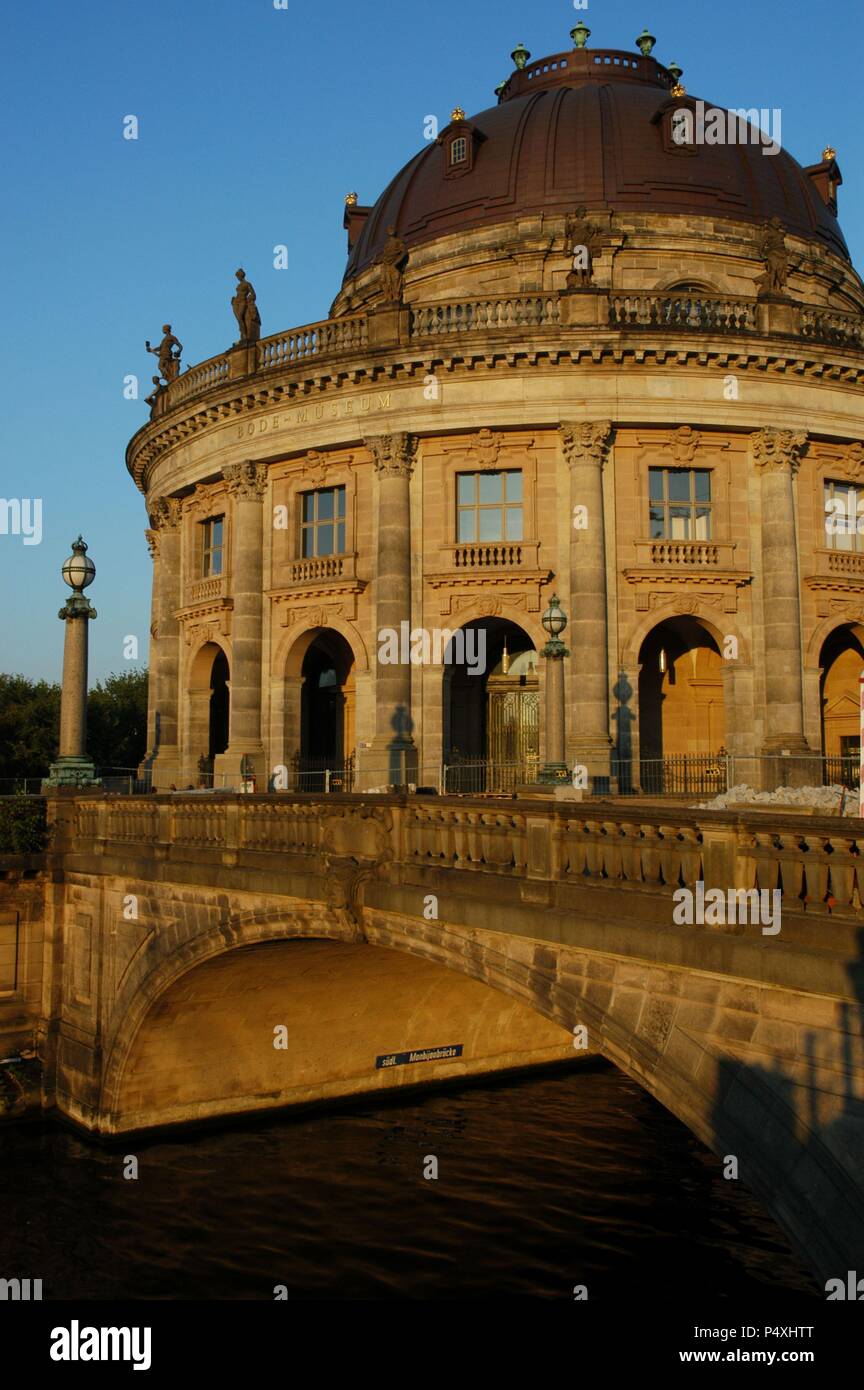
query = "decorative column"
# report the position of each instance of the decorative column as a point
(776, 456)
(392, 759)
(247, 483)
(73, 768)
(163, 757)
(555, 771)
(586, 446)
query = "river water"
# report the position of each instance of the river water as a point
(545, 1182)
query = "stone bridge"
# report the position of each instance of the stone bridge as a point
(185, 939)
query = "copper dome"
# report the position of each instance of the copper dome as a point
(581, 127)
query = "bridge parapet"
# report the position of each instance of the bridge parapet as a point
(816, 861)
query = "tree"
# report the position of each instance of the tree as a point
(117, 720)
(30, 723)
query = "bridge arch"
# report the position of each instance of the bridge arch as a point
(655, 1024)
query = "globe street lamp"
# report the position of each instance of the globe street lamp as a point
(73, 768)
(555, 771)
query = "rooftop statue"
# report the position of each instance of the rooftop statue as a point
(246, 309)
(772, 249)
(580, 241)
(168, 352)
(393, 258)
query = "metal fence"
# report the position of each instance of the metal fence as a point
(482, 776)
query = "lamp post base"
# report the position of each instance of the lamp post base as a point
(72, 772)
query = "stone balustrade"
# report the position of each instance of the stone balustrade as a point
(816, 862)
(682, 311)
(352, 335)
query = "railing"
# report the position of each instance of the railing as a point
(845, 562)
(484, 315)
(499, 556)
(843, 330)
(329, 567)
(682, 311)
(684, 553)
(200, 378)
(841, 772)
(596, 845)
(684, 774)
(320, 775)
(348, 334)
(204, 589)
(482, 776)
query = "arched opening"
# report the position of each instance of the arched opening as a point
(209, 712)
(491, 715)
(682, 722)
(327, 709)
(356, 1019)
(841, 661)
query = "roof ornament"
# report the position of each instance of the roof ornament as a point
(457, 114)
(676, 73)
(351, 200)
(520, 56)
(499, 90)
(829, 154)
(580, 35)
(645, 43)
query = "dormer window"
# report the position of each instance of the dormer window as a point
(460, 140)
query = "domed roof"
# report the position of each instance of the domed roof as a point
(582, 128)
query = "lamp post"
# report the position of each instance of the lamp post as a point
(73, 768)
(554, 771)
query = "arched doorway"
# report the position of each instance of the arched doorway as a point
(325, 759)
(491, 715)
(841, 661)
(209, 713)
(682, 722)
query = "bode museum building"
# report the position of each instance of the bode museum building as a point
(601, 341)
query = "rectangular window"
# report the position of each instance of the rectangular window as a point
(844, 516)
(679, 504)
(212, 532)
(322, 523)
(489, 506)
(459, 150)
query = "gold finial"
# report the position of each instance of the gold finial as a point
(351, 200)
(678, 90)
(828, 154)
(457, 114)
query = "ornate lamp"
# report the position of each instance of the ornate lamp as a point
(73, 769)
(580, 35)
(645, 43)
(520, 56)
(555, 771)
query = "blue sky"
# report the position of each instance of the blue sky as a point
(254, 124)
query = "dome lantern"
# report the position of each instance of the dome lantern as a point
(520, 56)
(580, 35)
(645, 43)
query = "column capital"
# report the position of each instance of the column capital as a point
(152, 539)
(166, 513)
(585, 441)
(246, 480)
(776, 451)
(393, 454)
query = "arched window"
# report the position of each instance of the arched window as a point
(459, 150)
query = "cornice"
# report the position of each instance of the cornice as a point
(214, 408)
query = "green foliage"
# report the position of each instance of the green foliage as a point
(30, 723)
(117, 720)
(22, 825)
